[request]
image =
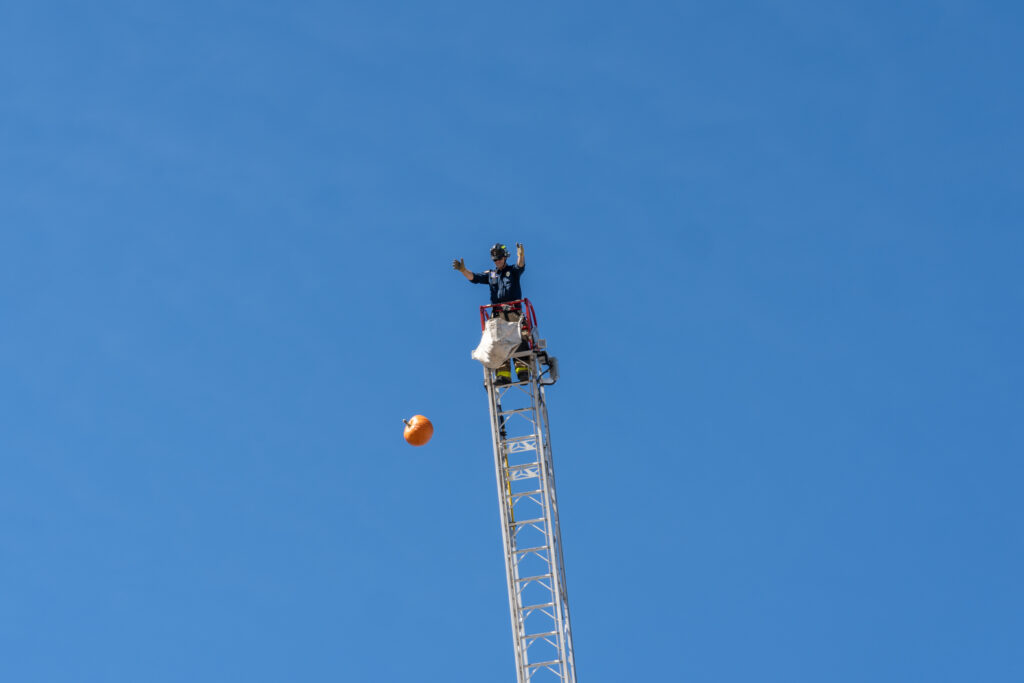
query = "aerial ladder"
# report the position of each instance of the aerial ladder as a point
(528, 507)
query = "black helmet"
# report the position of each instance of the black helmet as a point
(499, 251)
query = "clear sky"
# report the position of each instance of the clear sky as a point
(777, 248)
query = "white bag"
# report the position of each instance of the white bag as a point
(499, 340)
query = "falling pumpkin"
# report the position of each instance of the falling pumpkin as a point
(418, 430)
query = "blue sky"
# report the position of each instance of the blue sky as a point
(775, 246)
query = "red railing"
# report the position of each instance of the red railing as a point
(523, 306)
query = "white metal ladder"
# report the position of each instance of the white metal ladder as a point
(528, 507)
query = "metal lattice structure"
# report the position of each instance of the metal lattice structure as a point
(528, 506)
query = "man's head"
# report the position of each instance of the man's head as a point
(499, 252)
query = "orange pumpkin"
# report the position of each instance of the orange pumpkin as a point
(418, 430)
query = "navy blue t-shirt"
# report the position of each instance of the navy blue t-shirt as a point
(504, 283)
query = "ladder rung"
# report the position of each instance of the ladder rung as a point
(523, 466)
(539, 664)
(535, 636)
(531, 550)
(517, 410)
(502, 387)
(517, 439)
(526, 493)
(520, 446)
(528, 521)
(536, 607)
(524, 443)
(534, 578)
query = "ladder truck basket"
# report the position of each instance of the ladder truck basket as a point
(521, 306)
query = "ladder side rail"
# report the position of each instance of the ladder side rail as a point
(553, 532)
(525, 639)
(559, 558)
(554, 496)
(545, 519)
(504, 511)
(551, 520)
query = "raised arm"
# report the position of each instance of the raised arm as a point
(520, 255)
(460, 265)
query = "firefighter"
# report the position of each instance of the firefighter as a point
(503, 280)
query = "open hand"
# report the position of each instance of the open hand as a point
(459, 264)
